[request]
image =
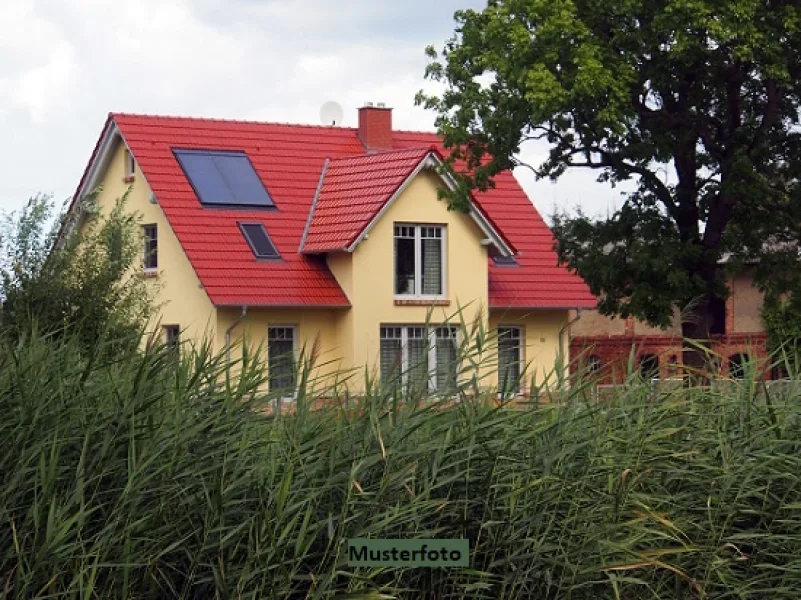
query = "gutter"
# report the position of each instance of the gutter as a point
(228, 331)
(565, 329)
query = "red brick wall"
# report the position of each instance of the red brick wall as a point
(614, 352)
(375, 127)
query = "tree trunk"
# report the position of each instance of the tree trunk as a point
(703, 319)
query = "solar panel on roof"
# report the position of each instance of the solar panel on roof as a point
(223, 178)
(259, 241)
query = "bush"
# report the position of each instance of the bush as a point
(148, 476)
(76, 274)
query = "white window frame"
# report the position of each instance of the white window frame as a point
(145, 250)
(130, 165)
(177, 340)
(520, 357)
(294, 328)
(430, 332)
(418, 262)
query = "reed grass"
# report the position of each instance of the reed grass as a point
(156, 476)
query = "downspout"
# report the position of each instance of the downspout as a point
(228, 335)
(565, 329)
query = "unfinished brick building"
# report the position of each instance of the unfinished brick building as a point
(606, 346)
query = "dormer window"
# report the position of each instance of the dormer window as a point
(419, 261)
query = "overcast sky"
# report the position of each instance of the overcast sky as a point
(64, 65)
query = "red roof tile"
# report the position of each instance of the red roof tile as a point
(539, 281)
(289, 159)
(354, 190)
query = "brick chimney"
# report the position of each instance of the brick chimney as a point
(375, 126)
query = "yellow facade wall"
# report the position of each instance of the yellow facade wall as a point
(372, 271)
(317, 337)
(181, 299)
(344, 341)
(545, 341)
(341, 266)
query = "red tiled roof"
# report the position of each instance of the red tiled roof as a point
(289, 160)
(539, 281)
(354, 190)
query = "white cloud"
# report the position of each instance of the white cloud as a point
(38, 68)
(65, 65)
(46, 87)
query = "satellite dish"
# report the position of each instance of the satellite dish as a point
(331, 114)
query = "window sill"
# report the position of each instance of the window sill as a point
(151, 273)
(422, 302)
(128, 179)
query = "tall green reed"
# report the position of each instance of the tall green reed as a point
(157, 475)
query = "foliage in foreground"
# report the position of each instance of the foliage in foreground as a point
(56, 276)
(154, 477)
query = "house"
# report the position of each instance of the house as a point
(604, 344)
(332, 240)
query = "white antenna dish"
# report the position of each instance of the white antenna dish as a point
(331, 114)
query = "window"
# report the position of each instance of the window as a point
(509, 360)
(151, 247)
(130, 165)
(649, 366)
(594, 364)
(674, 366)
(258, 240)
(172, 336)
(281, 367)
(717, 307)
(737, 364)
(419, 259)
(447, 356)
(222, 178)
(420, 358)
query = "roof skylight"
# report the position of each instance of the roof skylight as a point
(259, 241)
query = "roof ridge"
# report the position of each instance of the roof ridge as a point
(253, 122)
(413, 150)
(224, 120)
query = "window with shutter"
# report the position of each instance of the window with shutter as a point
(420, 358)
(391, 353)
(447, 354)
(419, 260)
(281, 362)
(509, 360)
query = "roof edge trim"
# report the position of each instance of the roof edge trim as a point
(314, 205)
(283, 305)
(573, 306)
(434, 162)
(100, 160)
(94, 169)
(395, 195)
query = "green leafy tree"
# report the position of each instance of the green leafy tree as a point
(76, 273)
(706, 88)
